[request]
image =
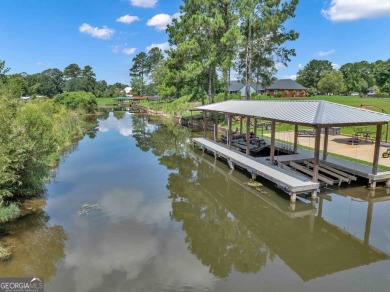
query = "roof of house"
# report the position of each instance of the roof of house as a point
(282, 84)
(236, 85)
(309, 112)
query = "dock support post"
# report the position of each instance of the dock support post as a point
(388, 183)
(325, 152)
(314, 195)
(293, 197)
(230, 131)
(204, 124)
(215, 127)
(272, 154)
(254, 175)
(376, 150)
(255, 127)
(248, 129)
(316, 160)
(296, 139)
(230, 163)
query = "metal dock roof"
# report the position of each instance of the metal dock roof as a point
(302, 112)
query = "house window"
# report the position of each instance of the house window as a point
(275, 92)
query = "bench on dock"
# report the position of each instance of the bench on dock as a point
(309, 171)
(305, 133)
(341, 178)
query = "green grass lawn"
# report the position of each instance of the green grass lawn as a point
(105, 100)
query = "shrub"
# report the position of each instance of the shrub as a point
(8, 212)
(85, 101)
(32, 135)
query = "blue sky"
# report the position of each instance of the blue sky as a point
(107, 34)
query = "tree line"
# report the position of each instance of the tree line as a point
(320, 76)
(52, 82)
(212, 38)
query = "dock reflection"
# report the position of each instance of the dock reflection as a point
(231, 226)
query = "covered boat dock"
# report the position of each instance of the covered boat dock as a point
(289, 175)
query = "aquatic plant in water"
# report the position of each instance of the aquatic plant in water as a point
(85, 208)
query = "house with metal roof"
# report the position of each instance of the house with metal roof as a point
(286, 87)
(237, 86)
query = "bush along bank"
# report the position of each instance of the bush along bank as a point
(33, 136)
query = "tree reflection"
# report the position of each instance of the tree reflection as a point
(37, 247)
(218, 239)
(119, 114)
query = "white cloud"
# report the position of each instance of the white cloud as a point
(300, 66)
(335, 66)
(43, 63)
(293, 77)
(176, 15)
(127, 19)
(144, 3)
(160, 21)
(115, 48)
(347, 10)
(326, 53)
(104, 33)
(162, 46)
(129, 51)
(279, 66)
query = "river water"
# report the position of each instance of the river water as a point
(134, 207)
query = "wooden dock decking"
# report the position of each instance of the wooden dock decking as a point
(290, 182)
(355, 168)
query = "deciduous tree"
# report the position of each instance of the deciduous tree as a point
(332, 83)
(312, 72)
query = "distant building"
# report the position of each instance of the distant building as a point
(284, 86)
(127, 91)
(236, 86)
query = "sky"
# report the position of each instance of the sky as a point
(39, 34)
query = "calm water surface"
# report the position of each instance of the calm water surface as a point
(170, 218)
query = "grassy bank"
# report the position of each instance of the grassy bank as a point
(182, 107)
(33, 136)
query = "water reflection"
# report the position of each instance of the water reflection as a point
(230, 228)
(37, 247)
(172, 218)
(113, 123)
